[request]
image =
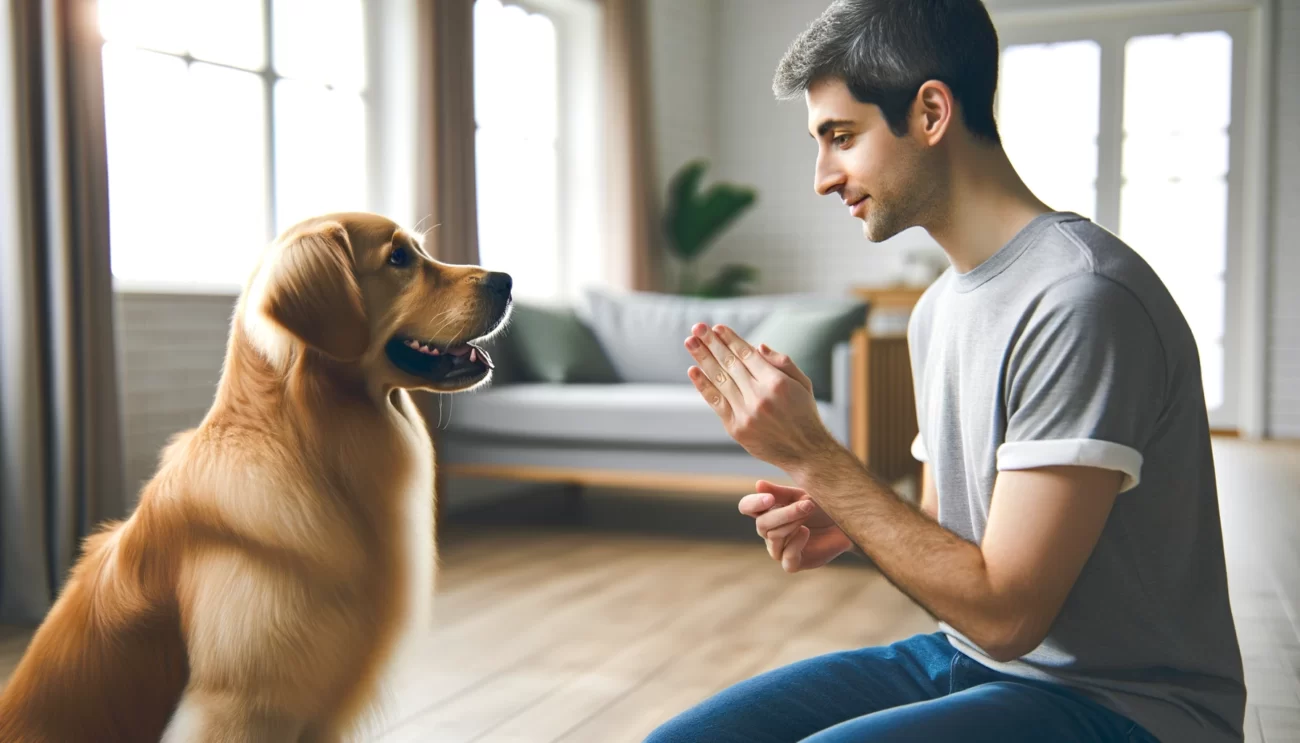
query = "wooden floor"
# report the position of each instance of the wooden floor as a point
(599, 633)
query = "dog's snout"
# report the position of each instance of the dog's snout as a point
(499, 284)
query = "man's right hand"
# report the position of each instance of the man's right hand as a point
(797, 531)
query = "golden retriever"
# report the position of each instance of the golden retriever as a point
(285, 545)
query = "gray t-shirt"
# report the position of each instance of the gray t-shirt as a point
(1064, 348)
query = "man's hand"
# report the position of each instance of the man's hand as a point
(763, 399)
(797, 531)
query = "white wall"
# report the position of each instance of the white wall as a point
(1284, 330)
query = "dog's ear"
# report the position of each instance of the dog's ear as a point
(313, 294)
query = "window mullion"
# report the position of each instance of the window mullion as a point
(268, 91)
(1110, 133)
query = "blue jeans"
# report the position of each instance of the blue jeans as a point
(920, 689)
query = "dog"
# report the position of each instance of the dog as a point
(285, 546)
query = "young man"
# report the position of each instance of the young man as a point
(1068, 538)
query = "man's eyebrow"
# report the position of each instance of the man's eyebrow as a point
(828, 125)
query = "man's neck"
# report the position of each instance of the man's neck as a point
(987, 206)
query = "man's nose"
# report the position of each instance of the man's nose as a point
(827, 179)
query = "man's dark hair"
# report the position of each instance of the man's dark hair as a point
(884, 50)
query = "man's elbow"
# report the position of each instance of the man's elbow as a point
(1008, 641)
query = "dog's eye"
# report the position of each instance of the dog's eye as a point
(399, 257)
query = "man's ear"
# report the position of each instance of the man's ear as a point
(312, 292)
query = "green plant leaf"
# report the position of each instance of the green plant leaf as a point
(692, 221)
(681, 199)
(729, 281)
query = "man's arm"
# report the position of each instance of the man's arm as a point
(1002, 595)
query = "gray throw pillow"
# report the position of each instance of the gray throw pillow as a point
(643, 332)
(551, 344)
(809, 337)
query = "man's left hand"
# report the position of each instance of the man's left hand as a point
(765, 402)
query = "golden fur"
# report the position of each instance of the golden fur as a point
(285, 544)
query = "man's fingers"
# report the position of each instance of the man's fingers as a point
(755, 504)
(720, 379)
(777, 517)
(781, 533)
(786, 365)
(746, 354)
(709, 349)
(783, 493)
(709, 391)
(792, 555)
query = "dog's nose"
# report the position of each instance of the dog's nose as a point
(499, 283)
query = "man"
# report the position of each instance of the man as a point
(1068, 536)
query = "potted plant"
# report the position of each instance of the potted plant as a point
(694, 220)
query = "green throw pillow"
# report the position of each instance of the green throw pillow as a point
(809, 336)
(553, 345)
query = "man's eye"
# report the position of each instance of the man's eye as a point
(399, 257)
(841, 140)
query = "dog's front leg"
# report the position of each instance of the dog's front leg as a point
(207, 717)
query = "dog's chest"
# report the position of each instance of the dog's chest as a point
(416, 522)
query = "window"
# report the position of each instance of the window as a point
(227, 121)
(1137, 126)
(535, 107)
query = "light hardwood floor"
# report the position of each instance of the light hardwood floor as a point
(598, 633)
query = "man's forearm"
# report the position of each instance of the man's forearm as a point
(939, 570)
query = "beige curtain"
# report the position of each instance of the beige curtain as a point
(631, 225)
(445, 150)
(60, 433)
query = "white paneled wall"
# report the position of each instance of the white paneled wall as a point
(1284, 333)
(171, 348)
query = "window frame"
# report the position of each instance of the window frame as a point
(269, 78)
(578, 184)
(1242, 407)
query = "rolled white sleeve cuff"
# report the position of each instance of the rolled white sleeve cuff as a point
(1027, 455)
(918, 450)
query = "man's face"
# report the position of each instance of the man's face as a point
(882, 178)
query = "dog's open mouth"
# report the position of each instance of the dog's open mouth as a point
(457, 364)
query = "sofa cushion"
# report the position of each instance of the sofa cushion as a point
(552, 345)
(809, 337)
(630, 413)
(643, 332)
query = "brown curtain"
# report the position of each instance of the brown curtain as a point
(60, 432)
(631, 227)
(445, 189)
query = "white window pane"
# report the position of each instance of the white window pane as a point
(153, 24)
(1175, 155)
(517, 210)
(320, 152)
(1048, 115)
(227, 175)
(516, 77)
(515, 68)
(1178, 82)
(147, 152)
(322, 41)
(228, 31)
(1174, 201)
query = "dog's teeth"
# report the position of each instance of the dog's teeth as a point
(473, 355)
(436, 352)
(412, 344)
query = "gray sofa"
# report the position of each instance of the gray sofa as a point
(597, 394)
